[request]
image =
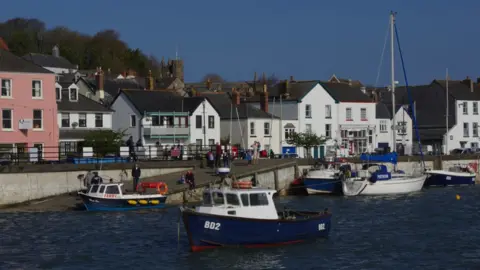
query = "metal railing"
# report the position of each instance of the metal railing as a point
(77, 154)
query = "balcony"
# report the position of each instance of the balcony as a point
(165, 130)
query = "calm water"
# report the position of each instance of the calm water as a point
(428, 230)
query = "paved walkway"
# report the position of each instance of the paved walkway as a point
(207, 175)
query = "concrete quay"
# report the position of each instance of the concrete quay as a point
(274, 173)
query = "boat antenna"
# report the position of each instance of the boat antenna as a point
(446, 114)
(410, 100)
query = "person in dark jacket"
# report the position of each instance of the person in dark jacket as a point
(218, 155)
(136, 173)
(190, 179)
(96, 179)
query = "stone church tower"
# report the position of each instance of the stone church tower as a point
(172, 69)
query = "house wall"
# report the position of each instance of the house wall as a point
(356, 123)
(22, 105)
(210, 133)
(456, 134)
(74, 118)
(85, 90)
(239, 131)
(123, 109)
(266, 140)
(382, 137)
(407, 138)
(287, 110)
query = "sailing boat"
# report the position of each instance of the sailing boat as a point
(456, 175)
(375, 179)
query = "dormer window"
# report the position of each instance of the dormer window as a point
(73, 94)
(58, 93)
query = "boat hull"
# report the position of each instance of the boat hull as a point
(384, 187)
(445, 178)
(322, 185)
(125, 204)
(207, 231)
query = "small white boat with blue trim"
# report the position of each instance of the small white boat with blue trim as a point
(110, 197)
(246, 216)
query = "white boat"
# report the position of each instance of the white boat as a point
(398, 185)
(376, 179)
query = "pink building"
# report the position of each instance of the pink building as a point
(28, 109)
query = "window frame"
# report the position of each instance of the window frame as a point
(34, 90)
(97, 121)
(266, 129)
(41, 119)
(8, 90)
(65, 119)
(11, 119)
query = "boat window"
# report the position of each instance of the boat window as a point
(112, 190)
(218, 198)
(102, 189)
(94, 189)
(232, 199)
(207, 198)
(245, 199)
(257, 199)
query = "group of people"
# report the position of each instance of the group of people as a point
(218, 157)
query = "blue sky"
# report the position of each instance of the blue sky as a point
(308, 39)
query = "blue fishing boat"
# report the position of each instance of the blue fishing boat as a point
(457, 175)
(244, 216)
(110, 197)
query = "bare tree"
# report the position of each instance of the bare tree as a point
(212, 77)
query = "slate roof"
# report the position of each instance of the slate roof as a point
(164, 101)
(382, 112)
(430, 104)
(164, 83)
(458, 90)
(345, 93)
(9, 62)
(67, 77)
(222, 103)
(296, 89)
(83, 104)
(47, 60)
(113, 86)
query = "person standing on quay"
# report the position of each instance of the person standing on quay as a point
(136, 173)
(218, 155)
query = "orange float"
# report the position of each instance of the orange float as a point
(242, 184)
(161, 187)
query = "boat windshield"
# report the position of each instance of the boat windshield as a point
(218, 198)
(258, 199)
(94, 189)
(112, 190)
(232, 199)
(207, 198)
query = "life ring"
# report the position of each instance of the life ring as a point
(162, 188)
(470, 169)
(242, 184)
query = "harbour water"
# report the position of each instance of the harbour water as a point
(427, 230)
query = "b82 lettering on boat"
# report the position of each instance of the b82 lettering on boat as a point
(321, 226)
(212, 225)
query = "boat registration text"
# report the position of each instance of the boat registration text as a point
(212, 225)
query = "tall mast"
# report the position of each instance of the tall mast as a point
(392, 52)
(446, 115)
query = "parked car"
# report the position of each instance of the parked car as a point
(5, 159)
(462, 151)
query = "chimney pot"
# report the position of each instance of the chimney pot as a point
(291, 78)
(100, 83)
(235, 97)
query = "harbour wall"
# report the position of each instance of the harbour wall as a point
(22, 187)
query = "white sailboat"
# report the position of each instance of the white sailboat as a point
(375, 179)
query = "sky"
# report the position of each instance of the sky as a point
(306, 39)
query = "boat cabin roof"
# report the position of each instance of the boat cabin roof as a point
(109, 188)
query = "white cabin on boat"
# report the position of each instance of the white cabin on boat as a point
(255, 203)
(114, 191)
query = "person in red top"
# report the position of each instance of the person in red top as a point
(218, 155)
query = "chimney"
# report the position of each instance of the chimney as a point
(350, 82)
(264, 97)
(468, 82)
(235, 97)
(56, 51)
(291, 79)
(149, 83)
(286, 90)
(100, 83)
